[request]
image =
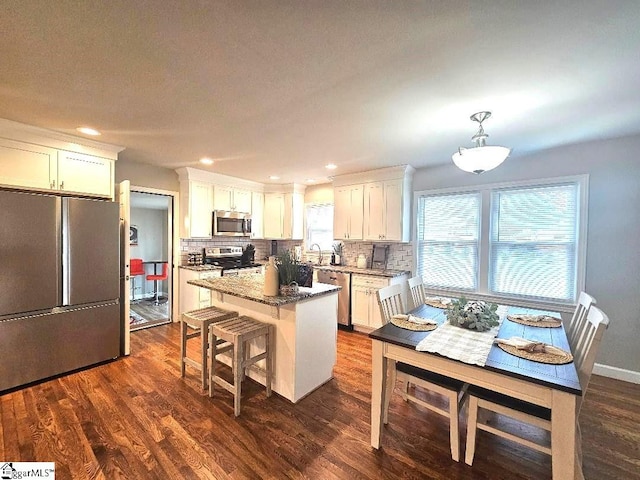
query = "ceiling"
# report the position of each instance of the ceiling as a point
(279, 87)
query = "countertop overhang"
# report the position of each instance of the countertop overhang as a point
(250, 287)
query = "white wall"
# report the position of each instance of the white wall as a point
(143, 175)
(152, 242)
(613, 240)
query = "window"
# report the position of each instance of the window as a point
(319, 226)
(448, 233)
(522, 241)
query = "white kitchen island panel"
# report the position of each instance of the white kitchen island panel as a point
(305, 333)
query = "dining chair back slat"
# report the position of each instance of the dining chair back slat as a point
(416, 288)
(390, 302)
(578, 320)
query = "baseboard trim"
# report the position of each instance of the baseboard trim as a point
(617, 373)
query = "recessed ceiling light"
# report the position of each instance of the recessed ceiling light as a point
(88, 131)
(206, 161)
(310, 180)
(331, 166)
(274, 177)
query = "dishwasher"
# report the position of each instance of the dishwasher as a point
(344, 296)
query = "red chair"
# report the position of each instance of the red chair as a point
(162, 276)
(135, 269)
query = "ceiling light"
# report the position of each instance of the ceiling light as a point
(206, 161)
(274, 177)
(482, 157)
(88, 131)
(331, 166)
(310, 180)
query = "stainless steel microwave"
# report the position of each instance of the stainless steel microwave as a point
(231, 224)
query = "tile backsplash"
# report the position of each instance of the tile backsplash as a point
(400, 254)
(263, 247)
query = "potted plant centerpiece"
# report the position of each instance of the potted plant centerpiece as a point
(288, 268)
(472, 314)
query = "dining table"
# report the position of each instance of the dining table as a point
(555, 387)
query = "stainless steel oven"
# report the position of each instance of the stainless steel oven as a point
(231, 224)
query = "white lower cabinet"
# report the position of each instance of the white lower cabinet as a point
(365, 311)
(192, 297)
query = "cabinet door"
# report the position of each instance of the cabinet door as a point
(341, 212)
(374, 211)
(189, 294)
(25, 165)
(242, 201)
(297, 216)
(79, 172)
(360, 300)
(257, 215)
(356, 212)
(393, 210)
(201, 202)
(273, 215)
(375, 317)
(222, 198)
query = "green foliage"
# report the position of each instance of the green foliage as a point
(288, 267)
(472, 314)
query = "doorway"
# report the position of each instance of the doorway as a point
(151, 252)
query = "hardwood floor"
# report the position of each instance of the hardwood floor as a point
(135, 418)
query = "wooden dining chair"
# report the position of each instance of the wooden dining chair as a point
(579, 319)
(484, 404)
(390, 301)
(416, 288)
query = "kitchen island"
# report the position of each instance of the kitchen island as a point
(304, 326)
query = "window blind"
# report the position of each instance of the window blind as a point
(448, 232)
(533, 242)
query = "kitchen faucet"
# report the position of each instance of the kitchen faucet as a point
(319, 252)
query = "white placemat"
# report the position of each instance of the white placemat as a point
(468, 346)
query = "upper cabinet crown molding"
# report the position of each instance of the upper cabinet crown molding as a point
(379, 175)
(195, 174)
(11, 130)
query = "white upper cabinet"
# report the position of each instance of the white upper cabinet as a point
(274, 215)
(29, 166)
(379, 209)
(41, 160)
(200, 209)
(232, 199)
(79, 172)
(383, 212)
(257, 215)
(348, 212)
(284, 214)
(202, 192)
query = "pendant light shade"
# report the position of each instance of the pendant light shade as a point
(482, 157)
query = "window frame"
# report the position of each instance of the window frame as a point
(307, 245)
(485, 191)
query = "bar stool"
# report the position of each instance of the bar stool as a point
(199, 320)
(136, 268)
(237, 332)
(162, 276)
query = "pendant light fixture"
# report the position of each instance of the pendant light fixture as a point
(482, 157)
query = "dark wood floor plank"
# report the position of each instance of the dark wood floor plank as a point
(136, 418)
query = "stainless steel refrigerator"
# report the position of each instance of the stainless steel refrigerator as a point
(59, 285)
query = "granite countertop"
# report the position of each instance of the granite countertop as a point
(200, 268)
(250, 287)
(363, 271)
